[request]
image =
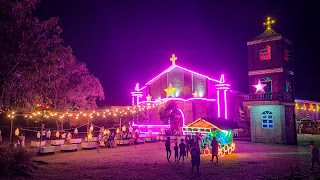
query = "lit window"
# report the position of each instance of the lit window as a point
(288, 86)
(265, 53)
(267, 81)
(286, 54)
(267, 120)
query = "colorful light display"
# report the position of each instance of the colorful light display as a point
(203, 127)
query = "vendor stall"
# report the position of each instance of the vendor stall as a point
(207, 131)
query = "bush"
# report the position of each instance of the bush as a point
(15, 162)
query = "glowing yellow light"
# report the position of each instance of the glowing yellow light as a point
(268, 23)
(57, 134)
(148, 97)
(170, 90)
(89, 136)
(124, 128)
(118, 130)
(16, 132)
(173, 59)
(91, 128)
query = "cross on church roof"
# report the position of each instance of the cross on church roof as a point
(173, 59)
(268, 23)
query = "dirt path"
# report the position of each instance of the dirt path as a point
(148, 161)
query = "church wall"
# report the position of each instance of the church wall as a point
(254, 56)
(156, 88)
(276, 85)
(200, 84)
(258, 134)
(176, 77)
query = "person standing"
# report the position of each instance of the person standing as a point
(182, 150)
(176, 153)
(167, 144)
(195, 157)
(215, 146)
(187, 146)
(314, 154)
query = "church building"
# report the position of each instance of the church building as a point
(267, 113)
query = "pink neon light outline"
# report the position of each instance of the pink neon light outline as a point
(222, 85)
(218, 102)
(183, 119)
(173, 66)
(136, 92)
(222, 88)
(225, 104)
(180, 99)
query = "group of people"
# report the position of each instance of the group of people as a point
(191, 145)
(194, 152)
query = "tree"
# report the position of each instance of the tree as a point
(35, 66)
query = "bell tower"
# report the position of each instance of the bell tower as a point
(271, 88)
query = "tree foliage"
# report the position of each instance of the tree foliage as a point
(35, 66)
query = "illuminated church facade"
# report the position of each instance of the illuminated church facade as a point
(267, 113)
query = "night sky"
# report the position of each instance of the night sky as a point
(125, 42)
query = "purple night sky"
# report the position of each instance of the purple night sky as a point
(125, 42)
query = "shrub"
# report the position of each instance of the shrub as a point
(15, 162)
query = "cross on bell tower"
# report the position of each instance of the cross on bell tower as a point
(268, 23)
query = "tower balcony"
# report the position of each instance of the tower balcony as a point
(268, 97)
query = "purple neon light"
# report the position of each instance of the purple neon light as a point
(222, 85)
(218, 102)
(136, 92)
(179, 99)
(225, 104)
(173, 66)
(183, 119)
(222, 88)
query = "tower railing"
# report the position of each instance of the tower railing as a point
(265, 97)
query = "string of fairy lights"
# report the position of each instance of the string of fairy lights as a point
(112, 112)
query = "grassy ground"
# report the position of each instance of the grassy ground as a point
(148, 161)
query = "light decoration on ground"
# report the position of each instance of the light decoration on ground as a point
(170, 90)
(259, 87)
(224, 137)
(17, 132)
(89, 136)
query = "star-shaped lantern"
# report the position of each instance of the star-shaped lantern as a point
(148, 97)
(170, 90)
(260, 87)
(195, 94)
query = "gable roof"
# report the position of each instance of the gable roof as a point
(202, 123)
(179, 67)
(268, 33)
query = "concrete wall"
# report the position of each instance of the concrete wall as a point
(275, 135)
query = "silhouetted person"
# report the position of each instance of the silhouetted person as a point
(176, 154)
(168, 148)
(215, 146)
(187, 146)
(182, 150)
(314, 153)
(195, 156)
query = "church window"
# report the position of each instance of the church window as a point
(267, 81)
(265, 53)
(267, 120)
(288, 86)
(286, 54)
